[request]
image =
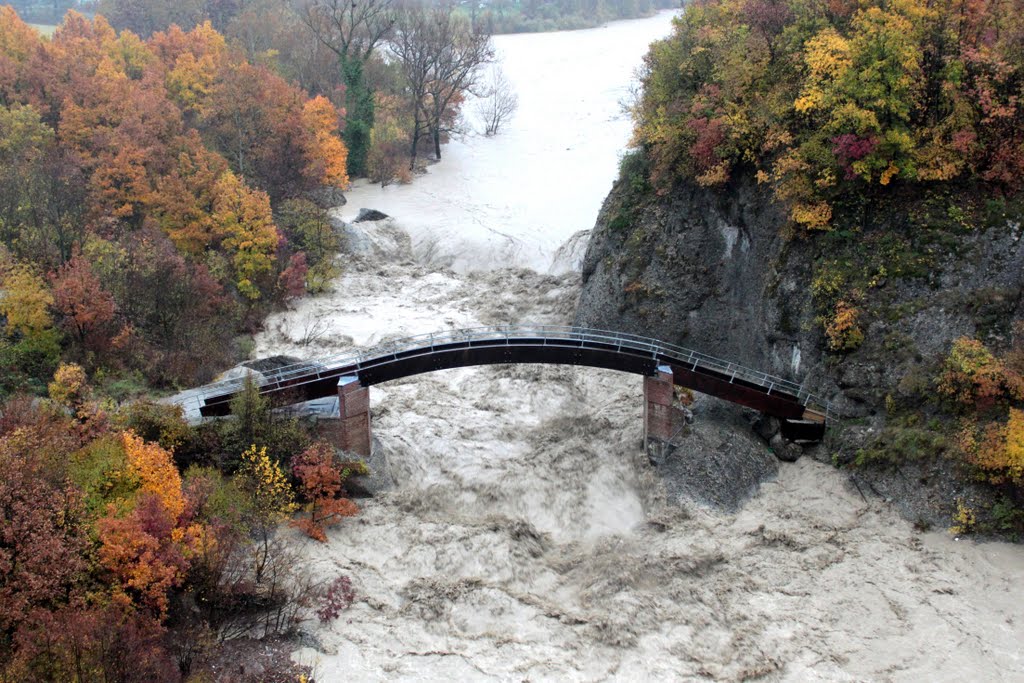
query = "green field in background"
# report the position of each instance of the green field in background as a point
(45, 29)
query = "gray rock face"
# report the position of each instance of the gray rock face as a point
(708, 270)
(714, 461)
(711, 269)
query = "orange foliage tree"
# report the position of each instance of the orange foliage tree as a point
(972, 377)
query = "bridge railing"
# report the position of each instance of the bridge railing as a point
(523, 335)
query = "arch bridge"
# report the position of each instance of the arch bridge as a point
(802, 415)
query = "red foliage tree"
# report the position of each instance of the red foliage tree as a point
(323, 477)
(292, 280)
(84, 643)
(42, 542)
(141, 553)
(87, 308)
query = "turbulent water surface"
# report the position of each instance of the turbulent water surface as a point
(528, 539)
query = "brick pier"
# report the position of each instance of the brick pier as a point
(351, 430)
(658, 412)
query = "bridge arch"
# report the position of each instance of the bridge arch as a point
(805, 414)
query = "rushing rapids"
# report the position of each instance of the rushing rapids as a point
(527, 537)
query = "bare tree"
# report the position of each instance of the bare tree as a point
(352, 29)
(349, 28)
(498, 102)
(441, 53)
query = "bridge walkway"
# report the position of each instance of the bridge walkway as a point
(804, 414)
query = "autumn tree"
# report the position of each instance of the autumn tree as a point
(387, 160)
(308, 227)
(250, 239)
(174, 310)
(271, 500)
(86, 308)
(322, 476)
(324, 152)
(26, 302)
(441, 54)
(144, 17)
(140, 552)
(351, 29)
(108, 641)
(42, 538)
(974, 378)
(825, 101)
(41, 190)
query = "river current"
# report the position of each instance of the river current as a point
(527, 537)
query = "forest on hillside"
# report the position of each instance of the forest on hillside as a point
(164, 187)
(516, 16)
(891, 134)
(162, 190)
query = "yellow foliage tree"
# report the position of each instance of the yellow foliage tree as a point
(996, 448)
(69, 386)
(843, 331)
(272, 494)
(243, 216)
(827, 56)
(973, 377)
(326, 154)
(26, 301)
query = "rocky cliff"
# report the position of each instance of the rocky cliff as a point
(719, 271)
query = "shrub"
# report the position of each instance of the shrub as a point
(973, 378)
(338, 598)
(843, 331)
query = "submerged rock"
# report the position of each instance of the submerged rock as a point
(370, 215)
(380, 240)
(714, 461)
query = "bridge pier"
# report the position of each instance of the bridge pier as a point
(658, 411)
(351, 432)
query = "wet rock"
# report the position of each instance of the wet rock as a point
(785, 451)
(380, 479)
(766, 426)
(716, 461)
(380, 240)
(370, 215)
(327, 197)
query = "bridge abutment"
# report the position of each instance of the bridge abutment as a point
(351, 432)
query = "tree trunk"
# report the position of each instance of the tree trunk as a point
(415, 145)
(437, 145)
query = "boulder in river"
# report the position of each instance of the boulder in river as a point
(370, 215)
(377, 239)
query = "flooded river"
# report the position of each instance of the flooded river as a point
(527, 537)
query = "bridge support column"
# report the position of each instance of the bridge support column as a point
(658, 410)
(352, 433)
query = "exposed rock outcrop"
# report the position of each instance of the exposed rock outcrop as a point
(717, 271)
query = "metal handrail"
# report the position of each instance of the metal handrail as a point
(388, 350)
